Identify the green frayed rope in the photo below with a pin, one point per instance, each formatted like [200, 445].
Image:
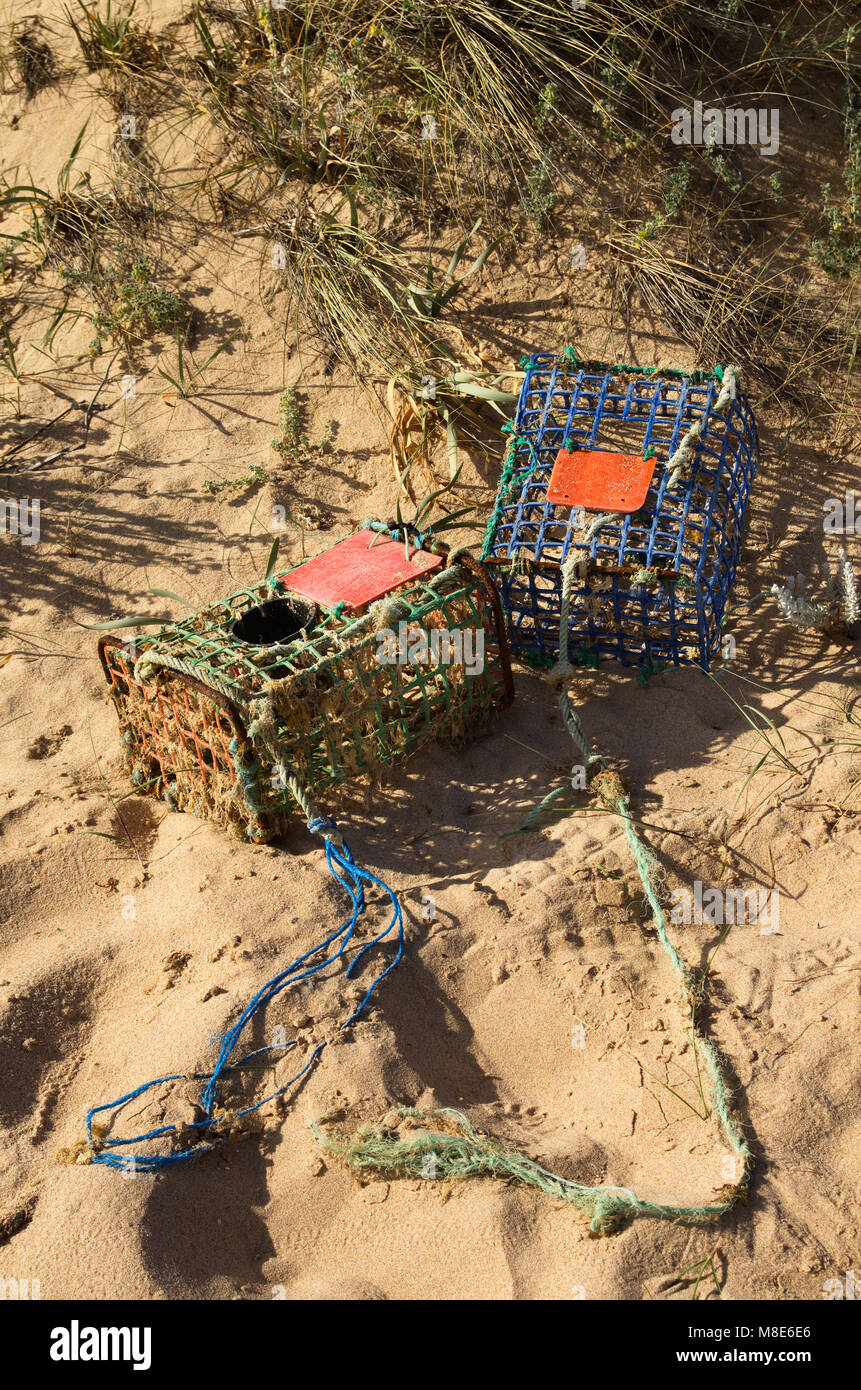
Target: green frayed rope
[696, 375]
[456, 1150]
[449, 1148]
[611, 791]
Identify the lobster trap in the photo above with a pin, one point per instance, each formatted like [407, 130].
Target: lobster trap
[643, 476]
[338, 667]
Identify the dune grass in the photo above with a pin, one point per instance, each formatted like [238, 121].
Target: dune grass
[393, 157]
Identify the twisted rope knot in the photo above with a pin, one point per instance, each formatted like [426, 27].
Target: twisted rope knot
[449, 577]
[328, 828]
[387, 612]
[317, 824]
[456, 555]
[683, 456]
[608, 1213]
[728, 389]
[144, 667]
[575, 564]
[610, 789]
[560, 672]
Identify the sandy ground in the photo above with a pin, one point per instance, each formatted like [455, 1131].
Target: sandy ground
[527, 939]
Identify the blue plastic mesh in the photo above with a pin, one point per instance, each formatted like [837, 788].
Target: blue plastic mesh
[687, 537]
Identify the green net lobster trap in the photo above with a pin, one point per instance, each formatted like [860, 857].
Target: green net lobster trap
[638, 479]
[342, 665]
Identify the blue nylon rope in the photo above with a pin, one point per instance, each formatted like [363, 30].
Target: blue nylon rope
[353, 879]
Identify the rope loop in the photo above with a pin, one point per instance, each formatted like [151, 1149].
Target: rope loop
[218, 1124]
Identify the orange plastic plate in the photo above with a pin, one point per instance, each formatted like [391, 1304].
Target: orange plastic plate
[600, 481]
[359, 569]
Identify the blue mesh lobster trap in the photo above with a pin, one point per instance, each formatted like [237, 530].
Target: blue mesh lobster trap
[643, 473]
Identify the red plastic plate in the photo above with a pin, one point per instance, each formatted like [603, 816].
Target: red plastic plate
[600, 481]
[359, 569]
